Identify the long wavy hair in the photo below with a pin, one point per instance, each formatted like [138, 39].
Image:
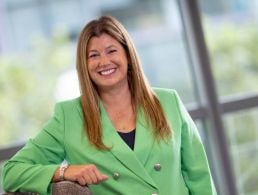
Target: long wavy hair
[142, 94]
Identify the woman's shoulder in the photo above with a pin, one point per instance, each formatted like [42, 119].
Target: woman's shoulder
[167, 96]
[163, 92]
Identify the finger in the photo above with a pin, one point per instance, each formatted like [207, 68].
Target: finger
[104, 177]
[100, 176]
[96, 174]
[92, 176]
[88, 179]
[81, 181]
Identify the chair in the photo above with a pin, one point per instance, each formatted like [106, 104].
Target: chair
[60, 188]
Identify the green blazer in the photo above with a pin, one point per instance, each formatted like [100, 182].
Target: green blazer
[176, 167]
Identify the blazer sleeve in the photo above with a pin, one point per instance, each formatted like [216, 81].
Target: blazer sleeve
[31, 168]
[194, 163]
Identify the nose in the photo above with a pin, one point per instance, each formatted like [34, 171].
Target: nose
[103, 60]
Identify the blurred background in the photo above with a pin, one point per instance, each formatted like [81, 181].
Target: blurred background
[206, 50]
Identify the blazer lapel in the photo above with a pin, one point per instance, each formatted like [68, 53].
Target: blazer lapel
[143, 139]
[122, 152]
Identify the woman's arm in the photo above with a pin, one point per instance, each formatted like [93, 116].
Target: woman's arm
[194, 163]
[82, 174]
[33, 167]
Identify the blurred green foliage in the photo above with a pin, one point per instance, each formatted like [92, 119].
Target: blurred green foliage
[234, 59]
[242, 135]
[27, 83]
[233, 53]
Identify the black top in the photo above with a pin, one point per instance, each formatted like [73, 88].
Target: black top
[128, 138]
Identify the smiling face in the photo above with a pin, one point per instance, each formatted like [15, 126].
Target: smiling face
[107, 62]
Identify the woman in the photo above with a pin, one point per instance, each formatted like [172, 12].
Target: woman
[120, 135]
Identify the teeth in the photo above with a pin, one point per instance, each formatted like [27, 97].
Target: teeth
[107, 72]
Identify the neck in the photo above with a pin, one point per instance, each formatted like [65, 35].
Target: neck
[116, 98]
[120, 108]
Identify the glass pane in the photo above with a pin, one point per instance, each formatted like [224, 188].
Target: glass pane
[157, 31]
[18, 3]
[29, 73]
[22, 34]
[231, 33]
[39, 68]
[69, 21]
[242, 134]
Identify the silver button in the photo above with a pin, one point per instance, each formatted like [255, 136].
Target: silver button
[157, 167]
[154, 194]
[116, 175]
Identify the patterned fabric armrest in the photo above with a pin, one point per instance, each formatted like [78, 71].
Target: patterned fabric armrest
[60, 188]
[69, 188]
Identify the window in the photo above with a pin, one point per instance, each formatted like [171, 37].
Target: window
[231, 33]
[231, 30]
[242, 134]
[38, 68]
[44, 53]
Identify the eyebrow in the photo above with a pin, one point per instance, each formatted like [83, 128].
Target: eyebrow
[92, 50]
[108, 47]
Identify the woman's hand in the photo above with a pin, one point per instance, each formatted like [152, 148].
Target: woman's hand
[83, 174]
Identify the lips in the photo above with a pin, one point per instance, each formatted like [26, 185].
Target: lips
[107, 71]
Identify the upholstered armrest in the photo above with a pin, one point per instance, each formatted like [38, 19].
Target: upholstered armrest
[69, 188]
[60, 188]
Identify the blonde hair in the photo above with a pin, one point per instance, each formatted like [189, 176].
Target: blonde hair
[142, 94]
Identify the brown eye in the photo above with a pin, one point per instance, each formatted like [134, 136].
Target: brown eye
[93, 55]
[112, 51]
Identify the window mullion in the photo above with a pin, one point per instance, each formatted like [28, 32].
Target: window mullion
[199, 56]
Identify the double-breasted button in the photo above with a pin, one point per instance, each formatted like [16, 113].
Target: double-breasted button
[116, 175]
[157, 167]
